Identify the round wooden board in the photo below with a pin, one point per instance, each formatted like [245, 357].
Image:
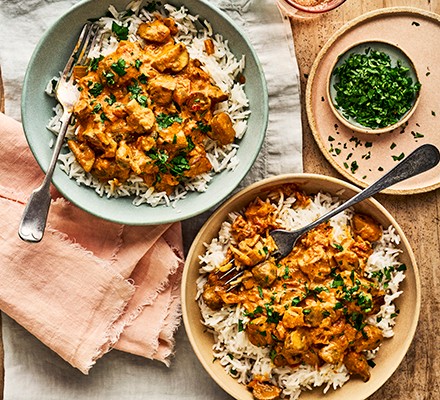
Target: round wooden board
[364, 158]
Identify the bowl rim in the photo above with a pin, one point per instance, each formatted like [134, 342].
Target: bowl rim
[275, 180]
[318, 9]
[359, 128]
[70, 191]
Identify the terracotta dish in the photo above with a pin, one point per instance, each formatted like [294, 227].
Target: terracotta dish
[363, 158]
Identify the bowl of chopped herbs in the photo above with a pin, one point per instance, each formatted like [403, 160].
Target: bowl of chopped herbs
[373, 87]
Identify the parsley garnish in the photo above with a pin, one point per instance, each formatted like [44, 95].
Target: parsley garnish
[143, 78]
[120, 31]
[119, 67]
[372, 91]
[338, 281]
[272, 316]
[96, 89]
[103, 118]
[137, 64]
[110, 100]
[97, 108]
[134, 89]
[93, 66]
[166, 120]
[295, 301]
[190, 142]
[202, 127]
[176, 166]
[179, 165]
[109, 77]
[240, 325]
[399, 157]
[142, 100]
[338, 247]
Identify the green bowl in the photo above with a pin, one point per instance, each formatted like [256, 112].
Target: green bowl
[49, 58]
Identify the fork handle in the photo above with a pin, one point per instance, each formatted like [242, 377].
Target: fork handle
[34, 218]
[420, 160]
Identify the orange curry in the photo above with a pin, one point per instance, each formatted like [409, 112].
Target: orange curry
[146, 110]
[310, 307]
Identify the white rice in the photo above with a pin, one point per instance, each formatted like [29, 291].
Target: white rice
[243, 360]
[223, 67]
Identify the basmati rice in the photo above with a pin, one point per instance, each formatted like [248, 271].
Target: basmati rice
[242, 359]
[223, 67]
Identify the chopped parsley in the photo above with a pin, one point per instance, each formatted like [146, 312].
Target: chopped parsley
[93, 66]
[399, 157]
[137, 64]
[120, 31]
[372, 91]
[175, 166]
[96, 89]
[166, 120]
[143, 78]
[97, 108]
[109, 77]
[103, 117]
[119, 67]
[204, 128]
[111, 99]
[337, 281]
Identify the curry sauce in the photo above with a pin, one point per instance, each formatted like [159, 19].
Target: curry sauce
[312, 306]
[147, 109]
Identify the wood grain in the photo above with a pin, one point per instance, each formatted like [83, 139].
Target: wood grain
[418, 376]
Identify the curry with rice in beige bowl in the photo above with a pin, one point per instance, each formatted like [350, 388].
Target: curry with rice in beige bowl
[331, 320]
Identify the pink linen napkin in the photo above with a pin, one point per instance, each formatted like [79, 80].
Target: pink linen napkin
[89, 285]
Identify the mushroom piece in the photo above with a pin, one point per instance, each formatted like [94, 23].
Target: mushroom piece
[222, 129]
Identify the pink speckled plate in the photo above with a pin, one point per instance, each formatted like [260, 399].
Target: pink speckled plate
[363, 158]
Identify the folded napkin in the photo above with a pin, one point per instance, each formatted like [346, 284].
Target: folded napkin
[89, 285]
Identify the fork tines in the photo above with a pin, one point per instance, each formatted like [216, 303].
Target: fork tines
[86, 42]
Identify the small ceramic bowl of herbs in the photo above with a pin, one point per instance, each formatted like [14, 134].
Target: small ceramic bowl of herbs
[373, 87]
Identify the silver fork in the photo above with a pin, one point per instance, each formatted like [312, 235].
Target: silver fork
[420, 160]
[33, 220]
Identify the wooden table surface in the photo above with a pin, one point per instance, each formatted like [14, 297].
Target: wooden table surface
[418, 376]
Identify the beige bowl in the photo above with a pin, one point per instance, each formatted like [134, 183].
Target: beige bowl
[395, 53]
[392, 350]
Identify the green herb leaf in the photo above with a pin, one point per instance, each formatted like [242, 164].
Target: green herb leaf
[110, 100]
[93, 66]
[372, 91]
[109, 77]
[399, 157]
[120, 31]
[166, 120]
[119, 67]
[96, 89]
